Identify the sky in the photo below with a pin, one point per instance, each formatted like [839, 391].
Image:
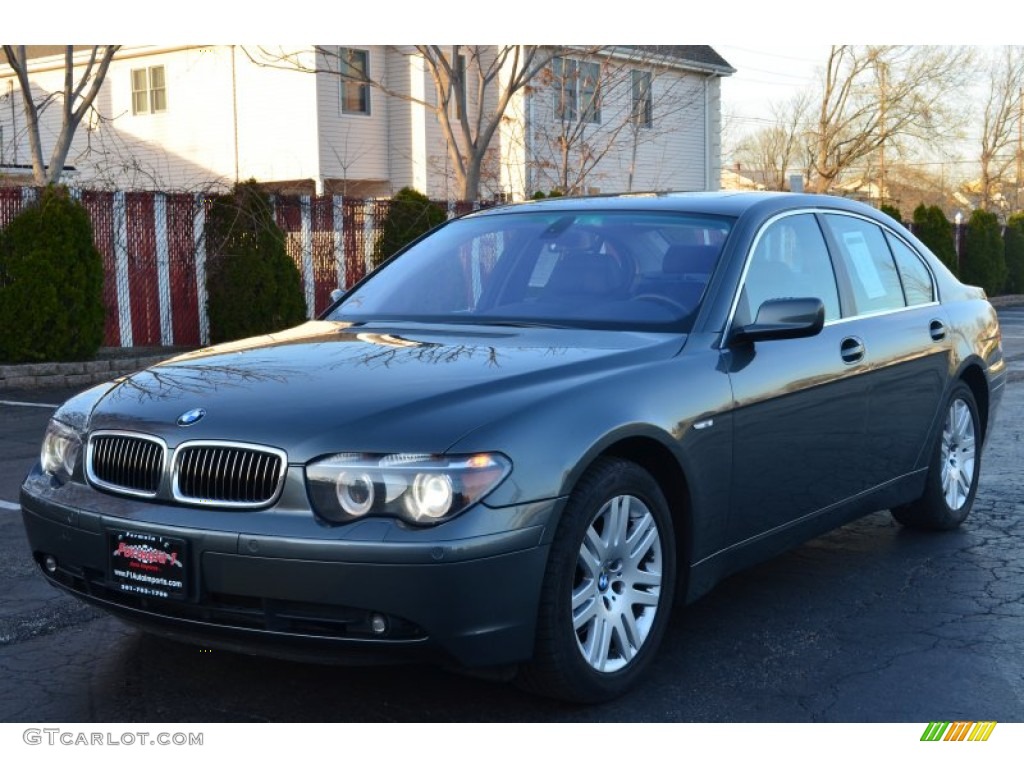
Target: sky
[758, 26]
[765, 75]
[770, 74]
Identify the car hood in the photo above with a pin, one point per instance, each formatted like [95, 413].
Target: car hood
[325, 387]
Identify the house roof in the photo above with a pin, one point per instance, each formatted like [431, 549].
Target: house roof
[704, 56]
[42, 51]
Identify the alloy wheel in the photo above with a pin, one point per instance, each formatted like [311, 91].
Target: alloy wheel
[617, 583]
[958, 454]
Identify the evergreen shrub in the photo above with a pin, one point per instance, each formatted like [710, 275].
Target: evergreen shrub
[1014, 240]
[410, 215]
[936, 231]
[252, 285]
[51, 282]
[984, 262]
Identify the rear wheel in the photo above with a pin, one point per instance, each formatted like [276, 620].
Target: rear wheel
[608, 589]
[953, 474]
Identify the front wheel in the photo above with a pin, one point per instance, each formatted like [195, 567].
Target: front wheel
[953, 474]
[608, 589]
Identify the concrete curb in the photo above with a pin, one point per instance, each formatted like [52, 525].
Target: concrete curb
[83, 374]
[1012, 300]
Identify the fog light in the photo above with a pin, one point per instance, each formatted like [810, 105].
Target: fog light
[378, 624]
[50, 564]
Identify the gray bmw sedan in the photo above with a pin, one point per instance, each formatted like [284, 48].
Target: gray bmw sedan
[522, 440]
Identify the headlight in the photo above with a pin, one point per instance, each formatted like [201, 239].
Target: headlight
[418, 488]
[61, 448]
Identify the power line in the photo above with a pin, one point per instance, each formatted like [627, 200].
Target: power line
[739, 118]
[807, 81]
[769, 53]
[802, 76]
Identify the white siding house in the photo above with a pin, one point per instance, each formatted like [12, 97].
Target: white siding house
[202, 117]
[626, 120]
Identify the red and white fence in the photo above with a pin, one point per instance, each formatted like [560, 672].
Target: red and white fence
[154, 255]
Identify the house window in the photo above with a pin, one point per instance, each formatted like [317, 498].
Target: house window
[149, 90]
[565, 72]
[643, 111]
[354, 68]
[590, 106]
[577, 91]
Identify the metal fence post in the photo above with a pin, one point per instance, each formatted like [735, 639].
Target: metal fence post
[124, 300]
[368, 231]
[958, 218]
[306, 233]
[338, 227]
[163, 268]
[199, 245]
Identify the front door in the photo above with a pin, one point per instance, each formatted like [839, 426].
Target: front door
[801, 406]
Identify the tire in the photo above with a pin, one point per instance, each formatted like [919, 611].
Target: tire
[953, 473]
[607, 593]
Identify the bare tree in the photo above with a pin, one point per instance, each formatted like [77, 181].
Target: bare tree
[881, 98]
[496, 76]
[911, 184]
[565, 145]
[593, 112]
[1000, 123]
[75, 99]
[346, 158]
[778, 148]
[473, 88]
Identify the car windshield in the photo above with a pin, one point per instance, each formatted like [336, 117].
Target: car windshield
[615, 269]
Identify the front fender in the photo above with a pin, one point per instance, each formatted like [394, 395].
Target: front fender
[553, 440]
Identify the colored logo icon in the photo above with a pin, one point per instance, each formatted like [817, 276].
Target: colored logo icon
[188, 418]
[959, 731]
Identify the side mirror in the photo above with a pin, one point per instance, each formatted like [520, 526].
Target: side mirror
[783, 319]
[336, 294]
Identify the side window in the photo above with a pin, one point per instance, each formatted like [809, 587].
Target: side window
[865, 254]
[917, 280]
[789, 261]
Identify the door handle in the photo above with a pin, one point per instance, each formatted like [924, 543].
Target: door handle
[937, 330]
[851, 349]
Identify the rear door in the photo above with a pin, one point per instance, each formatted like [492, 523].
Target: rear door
[901, 330]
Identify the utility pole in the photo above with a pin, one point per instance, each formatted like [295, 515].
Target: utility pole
[881, 127]
[1020, 147]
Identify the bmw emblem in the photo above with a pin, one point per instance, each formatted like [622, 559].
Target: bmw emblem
[188, 418]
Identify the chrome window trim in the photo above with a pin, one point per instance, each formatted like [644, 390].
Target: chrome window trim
[178, 496]
[924, 262]
[879, 313]
[103, 485]
[886, 228]
[750, 253]
[796, 211]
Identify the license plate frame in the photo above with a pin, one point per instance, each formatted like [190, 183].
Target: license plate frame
[148, 564]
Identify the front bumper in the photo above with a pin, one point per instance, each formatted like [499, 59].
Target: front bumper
[472, 601]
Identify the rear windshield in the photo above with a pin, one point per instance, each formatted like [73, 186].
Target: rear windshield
[615, 269]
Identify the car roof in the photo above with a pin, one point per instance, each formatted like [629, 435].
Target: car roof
[731, 203]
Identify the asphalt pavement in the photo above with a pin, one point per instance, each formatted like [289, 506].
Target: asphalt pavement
[870, 623]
